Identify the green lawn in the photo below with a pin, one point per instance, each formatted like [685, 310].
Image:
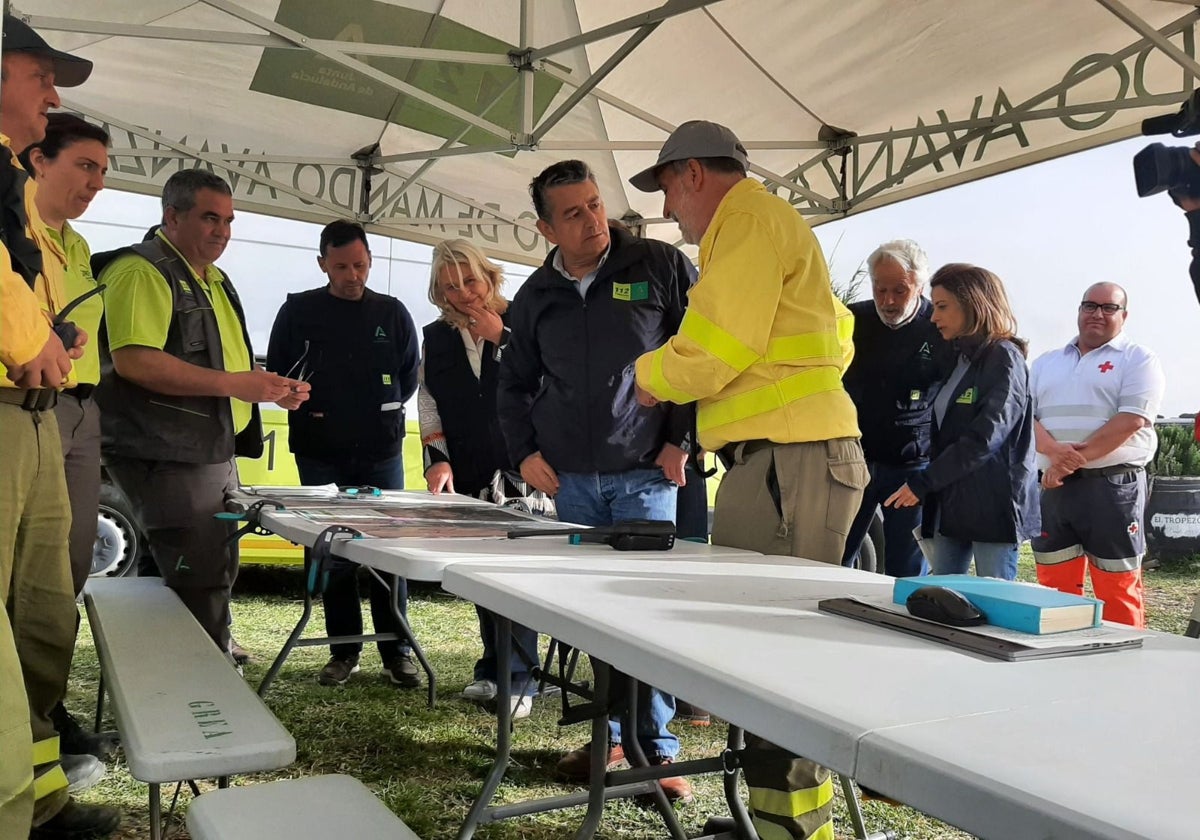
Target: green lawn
[427, 765]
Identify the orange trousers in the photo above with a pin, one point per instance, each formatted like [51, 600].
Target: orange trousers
[1121, 592]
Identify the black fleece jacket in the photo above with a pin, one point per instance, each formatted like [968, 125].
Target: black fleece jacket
[566, 384]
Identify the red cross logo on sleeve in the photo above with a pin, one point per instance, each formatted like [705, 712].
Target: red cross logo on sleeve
[1106, 367]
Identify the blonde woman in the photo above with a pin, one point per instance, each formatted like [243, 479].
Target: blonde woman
[460, 431]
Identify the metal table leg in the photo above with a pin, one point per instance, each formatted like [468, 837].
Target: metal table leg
[503, 728]
[294, 637]
[392, 582]
[637, 758]
[735, 742]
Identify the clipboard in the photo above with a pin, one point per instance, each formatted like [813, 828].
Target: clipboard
[965, 638]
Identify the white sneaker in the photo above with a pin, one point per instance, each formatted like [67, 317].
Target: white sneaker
[480, 691]
[521, 706]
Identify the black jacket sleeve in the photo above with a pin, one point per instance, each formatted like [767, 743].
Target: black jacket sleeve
[1194, 243]
[1003, 386]
[280, 356]
[681, 419]
[410, 352]
[519, 378]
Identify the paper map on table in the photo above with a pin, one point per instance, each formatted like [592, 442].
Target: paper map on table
[328, 495]
[431, 520]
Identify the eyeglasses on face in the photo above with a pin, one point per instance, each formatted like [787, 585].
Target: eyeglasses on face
[1090, 307]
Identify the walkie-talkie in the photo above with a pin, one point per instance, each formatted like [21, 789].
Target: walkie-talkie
[634, 535]
[66, 330]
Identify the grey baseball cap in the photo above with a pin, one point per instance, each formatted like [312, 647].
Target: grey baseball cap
[69, 70]
[693, 139]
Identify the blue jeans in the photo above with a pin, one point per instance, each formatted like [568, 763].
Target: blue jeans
[343, 610]
[522, 638]
[604, 499]
[901, 556]
[952, 556]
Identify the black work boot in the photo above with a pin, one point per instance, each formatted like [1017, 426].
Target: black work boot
[73, 739]
[78, 822]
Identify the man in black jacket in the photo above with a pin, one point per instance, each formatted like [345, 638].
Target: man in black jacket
[898, 361]
[358, 350]
[567, 401]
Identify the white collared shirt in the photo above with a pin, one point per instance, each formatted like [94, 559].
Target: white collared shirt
[1074, 395]
[584, 281]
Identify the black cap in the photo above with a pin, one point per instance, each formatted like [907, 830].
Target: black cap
[69, 70]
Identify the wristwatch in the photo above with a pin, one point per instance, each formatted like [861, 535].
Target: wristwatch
[504, 337]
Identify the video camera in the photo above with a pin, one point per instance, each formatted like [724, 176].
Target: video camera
[1159, 167]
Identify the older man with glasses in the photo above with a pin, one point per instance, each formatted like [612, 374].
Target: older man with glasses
[1095, 401]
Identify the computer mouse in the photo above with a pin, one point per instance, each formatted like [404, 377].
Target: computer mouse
[945, 606]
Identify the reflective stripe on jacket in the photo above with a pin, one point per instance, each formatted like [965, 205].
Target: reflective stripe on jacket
[764, 341]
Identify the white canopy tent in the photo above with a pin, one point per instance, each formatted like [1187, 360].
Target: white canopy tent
[426, 119]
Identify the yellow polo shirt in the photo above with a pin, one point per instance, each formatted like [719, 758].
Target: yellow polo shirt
[78, 281]
[138, 312]
[22, 337]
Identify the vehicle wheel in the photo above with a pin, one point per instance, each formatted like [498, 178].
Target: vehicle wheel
[875, 540]
[117, 539]
[868, 559]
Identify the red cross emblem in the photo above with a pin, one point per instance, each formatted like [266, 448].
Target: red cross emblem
[1132, 529]
[1106, 367]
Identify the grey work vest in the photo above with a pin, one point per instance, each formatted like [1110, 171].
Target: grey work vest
[137, 423]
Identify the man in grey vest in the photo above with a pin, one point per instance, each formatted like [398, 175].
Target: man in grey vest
[179, 391]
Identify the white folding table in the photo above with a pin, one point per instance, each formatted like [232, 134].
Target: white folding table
[307, 518]
[1055, 748]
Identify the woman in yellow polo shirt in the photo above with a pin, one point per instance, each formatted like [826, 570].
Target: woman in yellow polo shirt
[68, 166]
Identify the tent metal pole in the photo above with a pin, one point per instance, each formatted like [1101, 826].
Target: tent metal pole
[667, 10]
[525, 69]
[250, 39]
[1126, 15]
[632, 43]
[341, 57]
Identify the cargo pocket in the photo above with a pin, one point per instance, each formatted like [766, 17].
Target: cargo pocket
[848, 477]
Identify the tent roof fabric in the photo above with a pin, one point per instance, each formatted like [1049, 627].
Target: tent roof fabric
[448, 108]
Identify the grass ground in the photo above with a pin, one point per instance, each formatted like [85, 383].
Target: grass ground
[427, 765]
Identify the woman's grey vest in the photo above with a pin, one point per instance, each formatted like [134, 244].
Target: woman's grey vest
[137, 423]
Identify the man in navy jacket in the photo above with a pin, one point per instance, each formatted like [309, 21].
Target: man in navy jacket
[567, 401]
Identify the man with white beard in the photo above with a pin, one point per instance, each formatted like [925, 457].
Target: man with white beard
[898, 363]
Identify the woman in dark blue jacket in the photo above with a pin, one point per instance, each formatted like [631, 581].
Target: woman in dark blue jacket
[980, 490]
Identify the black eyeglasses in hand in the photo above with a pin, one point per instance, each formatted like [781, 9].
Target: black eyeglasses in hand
[300, 371]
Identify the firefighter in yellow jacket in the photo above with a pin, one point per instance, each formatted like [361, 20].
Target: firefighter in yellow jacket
[37, 625]
[761, 351]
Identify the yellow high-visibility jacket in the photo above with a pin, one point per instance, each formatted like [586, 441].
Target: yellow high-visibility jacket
[764, 340]
[24, 312]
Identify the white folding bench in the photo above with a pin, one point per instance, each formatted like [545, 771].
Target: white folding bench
[318, 807]
[182, 710]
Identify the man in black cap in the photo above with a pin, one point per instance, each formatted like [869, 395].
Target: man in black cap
[35, 573]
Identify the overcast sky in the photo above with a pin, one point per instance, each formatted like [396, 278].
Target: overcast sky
[1049, 231]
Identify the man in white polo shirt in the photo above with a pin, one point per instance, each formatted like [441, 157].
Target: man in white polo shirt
[1095, 401]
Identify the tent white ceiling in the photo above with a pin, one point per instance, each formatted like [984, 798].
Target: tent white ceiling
[454, 105]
